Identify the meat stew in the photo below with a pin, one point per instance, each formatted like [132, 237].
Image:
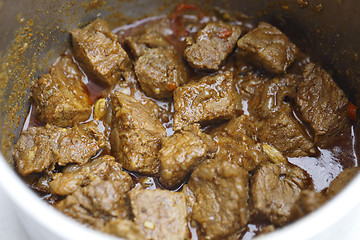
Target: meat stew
[227, 132]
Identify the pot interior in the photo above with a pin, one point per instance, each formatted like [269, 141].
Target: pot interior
[36, 32]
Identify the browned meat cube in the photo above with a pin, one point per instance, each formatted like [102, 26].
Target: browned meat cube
[322, 103]
[136, 135]
[341, 181]
[285, 134]
[240, 128]
[97, 49]
[158, 73]
[41, 147]
[245, 154]
[103, 167]
[274, 190]
[249, 83]
[236, 143]
[160, 214]
[308, 201]
[79, 144]
[61, 97]
[140, 43]
[267, 47]
[33, 150]
[155, 35]
[181, 152]
[271, 97]
[212, 45]
[211, 98]
[163, 113]
[97, 203]
[217, 192]
[274, 118]
[123, 228]
[131, 87]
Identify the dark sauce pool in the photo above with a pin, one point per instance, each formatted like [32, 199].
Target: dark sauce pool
[322, 168]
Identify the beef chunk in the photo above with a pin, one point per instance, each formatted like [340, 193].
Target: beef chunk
[274, 190]
[79, 144]
[322, 103]
[41, 147]
[181, 152]
[163, 113]
[211, 98]
[97, 203]
[240, 128]
[212, 45]
[270, 97]
[135, 136]
[98, 51]
[131, 87]
[267, 47]
[274, 120]
[249, 83]
[341, 181]
[218, 194]
[245, 154]
[308, 201]
[153, 36]
[285, 134]
[158, 72]
[103, 167]
[33, 150]
[236, 143]
[160, 214]
[61, 97]
[140, 43]
[123, 228]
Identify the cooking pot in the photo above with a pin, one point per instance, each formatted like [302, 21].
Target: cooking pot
[35, 32]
